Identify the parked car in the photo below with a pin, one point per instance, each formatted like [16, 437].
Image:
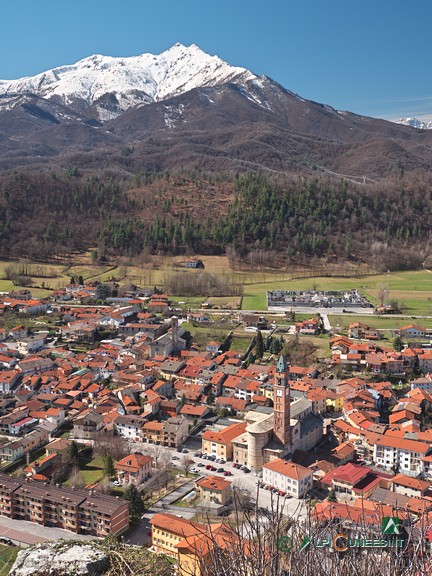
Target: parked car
[235, 465]
[220, 470]
[175, 457]
[198, 454]
[200, 464]
[246, 470]
[179, 449]
[227, 473]
[185, 451]
[212, 468]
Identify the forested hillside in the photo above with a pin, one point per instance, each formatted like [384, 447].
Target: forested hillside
[249, 216]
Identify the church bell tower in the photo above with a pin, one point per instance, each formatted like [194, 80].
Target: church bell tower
[281, 404]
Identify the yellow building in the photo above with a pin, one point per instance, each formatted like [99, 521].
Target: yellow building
[334, 400]
[266, 390]
[190, 543]
[168, 530]
[220, 443]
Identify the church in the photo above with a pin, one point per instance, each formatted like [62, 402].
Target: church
[277, 434]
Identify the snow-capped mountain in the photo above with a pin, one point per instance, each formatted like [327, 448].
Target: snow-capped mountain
[415, 123]
[117, 84]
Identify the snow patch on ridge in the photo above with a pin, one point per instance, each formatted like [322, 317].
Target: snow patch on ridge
[133, 80]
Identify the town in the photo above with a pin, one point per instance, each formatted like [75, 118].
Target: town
[115, 420]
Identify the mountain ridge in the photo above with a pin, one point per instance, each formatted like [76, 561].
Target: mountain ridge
[134, 80]
[187, 109]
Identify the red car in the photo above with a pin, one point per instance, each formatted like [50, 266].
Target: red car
[227, 473]
[212, 468]
[209, 467]
[235, 465]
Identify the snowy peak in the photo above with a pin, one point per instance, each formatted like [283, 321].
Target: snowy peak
[131, 81]
[415, 123]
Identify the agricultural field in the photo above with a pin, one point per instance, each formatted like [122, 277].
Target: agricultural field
[413, 288]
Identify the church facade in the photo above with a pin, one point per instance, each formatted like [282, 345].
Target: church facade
[270, 435]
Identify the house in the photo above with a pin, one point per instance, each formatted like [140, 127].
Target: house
[355, 480]
[307, 327]
[213, 347]
[134, 469]
[412, 331]
[253, 321]
[213, 491]
[412, 487]
[30, 344]
[292, 478]
[9, 380]
[194, 412]
[357, 330]
[60, 446]
[130, 426]
[194, 263]
[18, 332]
[86, 426]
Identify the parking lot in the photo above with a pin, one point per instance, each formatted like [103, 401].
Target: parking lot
[246, 481]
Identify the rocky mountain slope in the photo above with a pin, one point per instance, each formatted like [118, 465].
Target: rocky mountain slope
[187, 109]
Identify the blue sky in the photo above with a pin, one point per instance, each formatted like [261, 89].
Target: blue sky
[370, 57]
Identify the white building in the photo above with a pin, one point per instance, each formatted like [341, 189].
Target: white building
[31, 344]
[390, 452]
[292, 478]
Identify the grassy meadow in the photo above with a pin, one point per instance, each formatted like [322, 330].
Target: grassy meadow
[413, 288]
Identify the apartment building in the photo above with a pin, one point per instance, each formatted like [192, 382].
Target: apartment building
[220, 442]
[390, 452]
[75, 510]
[168, 530]
[101, 515]
[172, 432]
[292, 478]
